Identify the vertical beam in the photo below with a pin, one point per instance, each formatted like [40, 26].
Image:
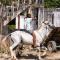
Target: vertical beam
[39, 18]
[18, 3]
[30, 1]
[24, 1]
[36, 1]
[43, 9]
[18, 21]
[1, 26]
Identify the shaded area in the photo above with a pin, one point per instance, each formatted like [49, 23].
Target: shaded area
[30, 56]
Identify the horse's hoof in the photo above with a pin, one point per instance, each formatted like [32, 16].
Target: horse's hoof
[14, 58]
[44, 54]
[40, 59]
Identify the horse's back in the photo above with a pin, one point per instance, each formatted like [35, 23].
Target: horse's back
[23, 35]
[23, 30]
[26, 37]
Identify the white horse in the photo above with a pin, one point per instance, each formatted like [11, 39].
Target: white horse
[35, 39]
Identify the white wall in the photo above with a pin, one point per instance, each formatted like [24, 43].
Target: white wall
[56, 19]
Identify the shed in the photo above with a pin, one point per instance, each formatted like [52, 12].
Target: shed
[56, 18]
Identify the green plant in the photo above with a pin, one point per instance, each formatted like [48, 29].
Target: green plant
[11, 27]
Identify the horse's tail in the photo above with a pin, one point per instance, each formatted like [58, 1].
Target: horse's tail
[5, 43]
[5, 37]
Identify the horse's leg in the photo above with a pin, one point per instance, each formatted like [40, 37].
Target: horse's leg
[44, 52]
[39, 54]
[16, 40]
[13, 55]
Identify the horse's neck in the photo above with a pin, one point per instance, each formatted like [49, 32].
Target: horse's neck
[40, 28]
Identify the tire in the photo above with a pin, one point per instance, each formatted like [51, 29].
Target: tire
[51, 46]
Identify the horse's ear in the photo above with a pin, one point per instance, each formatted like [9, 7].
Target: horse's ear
[43, 21]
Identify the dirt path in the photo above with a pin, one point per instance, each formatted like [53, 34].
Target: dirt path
[50, 56]
[53, 56]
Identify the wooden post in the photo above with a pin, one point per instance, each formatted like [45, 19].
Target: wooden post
[24, 1]
[18, 3]
[30, 1]
[36, 1]
[18, 21]
[1, 26]
[39, 17]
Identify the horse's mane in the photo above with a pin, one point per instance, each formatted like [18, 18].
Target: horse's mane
[22, 30]
[25, 31]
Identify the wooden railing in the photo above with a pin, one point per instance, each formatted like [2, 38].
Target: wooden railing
[20, 9]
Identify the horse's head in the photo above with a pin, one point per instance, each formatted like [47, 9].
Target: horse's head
[49, 25]
[45, 22]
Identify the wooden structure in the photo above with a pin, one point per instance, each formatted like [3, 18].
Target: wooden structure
[33, 7]
[25, 7]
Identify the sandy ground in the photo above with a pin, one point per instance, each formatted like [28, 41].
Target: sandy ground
[31, 55]
[53, 56]
[50, 56]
